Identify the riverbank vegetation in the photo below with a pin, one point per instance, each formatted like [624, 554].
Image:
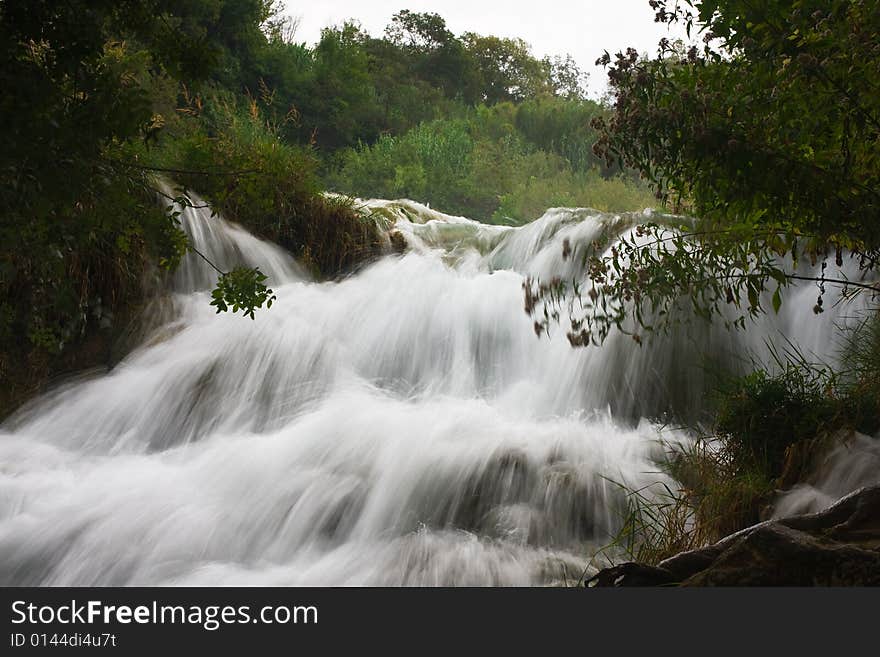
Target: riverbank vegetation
[770, 430]
[488, 163]
[770, 133]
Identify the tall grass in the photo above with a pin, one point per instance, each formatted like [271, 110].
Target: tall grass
[771, 430]
[572, 189]
[656, 522]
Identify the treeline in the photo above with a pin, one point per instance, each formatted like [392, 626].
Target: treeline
[474, 125]
[351, 88]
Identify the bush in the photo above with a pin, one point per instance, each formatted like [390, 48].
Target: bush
[532, 197]
[269, 186]
[760, 416]
[563, 127]
[430, 163]
[772, 429]
[77, 278]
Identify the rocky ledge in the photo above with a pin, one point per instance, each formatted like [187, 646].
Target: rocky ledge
[839, 546]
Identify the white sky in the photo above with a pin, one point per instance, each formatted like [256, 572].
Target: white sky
[583, 28]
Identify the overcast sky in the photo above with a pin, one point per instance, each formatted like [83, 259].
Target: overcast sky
[583, 28]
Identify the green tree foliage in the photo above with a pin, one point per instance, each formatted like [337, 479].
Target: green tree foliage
[435, 55]
[238, 28]
[343, 94]
[483, 166]
[79, 80]
[273, 188]
[420, 32]
[769, 132]
[562, 126]
[81, 232]
[787, 89]
[566, 77]
[351, 88]
[242, 289]
[431, 163]
[405, 99]
[506, 68]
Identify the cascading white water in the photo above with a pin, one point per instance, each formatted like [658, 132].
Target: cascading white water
[852, 464]
[401, 426]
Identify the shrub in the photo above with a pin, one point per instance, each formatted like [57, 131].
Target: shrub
[270, 187]
[772, 429]
[761, 415]
[532, 197]
[77, 278]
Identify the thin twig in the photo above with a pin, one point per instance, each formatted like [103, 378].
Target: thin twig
[205, 258]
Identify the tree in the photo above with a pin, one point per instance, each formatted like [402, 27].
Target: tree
[769, 132]
[342, 103]
[566, 77]
[433, 53]
[82, 80]
[418, 31]
[563, 126]
[507, 69]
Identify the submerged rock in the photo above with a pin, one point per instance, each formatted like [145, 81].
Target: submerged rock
[836, 547]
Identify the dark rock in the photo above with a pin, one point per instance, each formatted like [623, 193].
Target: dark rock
[631, 574]
[398, 241]
[836, 547]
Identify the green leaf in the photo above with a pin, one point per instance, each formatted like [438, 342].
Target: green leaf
[242, 289]
[753, 297]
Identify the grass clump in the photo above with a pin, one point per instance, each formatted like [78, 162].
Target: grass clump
[657, 522]
[770, 431]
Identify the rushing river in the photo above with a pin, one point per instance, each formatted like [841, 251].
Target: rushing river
[402, 426]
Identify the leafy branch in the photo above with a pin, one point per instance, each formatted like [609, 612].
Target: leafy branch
[243, 289]
[648, 280]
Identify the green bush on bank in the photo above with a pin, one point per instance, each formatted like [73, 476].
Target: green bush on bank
[573, 189]
[81, 234]
[771, 430]
[238, 162]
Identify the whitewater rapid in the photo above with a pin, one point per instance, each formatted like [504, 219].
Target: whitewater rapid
[403, 426]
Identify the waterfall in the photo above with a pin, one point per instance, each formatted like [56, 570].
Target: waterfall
[402, 426]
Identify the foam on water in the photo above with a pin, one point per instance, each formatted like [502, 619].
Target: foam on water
[401, 426]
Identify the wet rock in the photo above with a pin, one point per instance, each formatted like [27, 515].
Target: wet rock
[836, 547]
[632, 574]
[398, 241]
